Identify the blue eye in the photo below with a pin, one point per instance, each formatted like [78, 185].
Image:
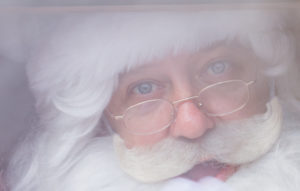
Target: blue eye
[218, 67]
[144, 88]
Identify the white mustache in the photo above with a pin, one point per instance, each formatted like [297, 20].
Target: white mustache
[243, 141]
[235, 142]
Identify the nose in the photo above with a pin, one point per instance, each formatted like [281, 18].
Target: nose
[190, 121]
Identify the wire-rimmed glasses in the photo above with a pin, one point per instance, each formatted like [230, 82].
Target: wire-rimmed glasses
[155, 115]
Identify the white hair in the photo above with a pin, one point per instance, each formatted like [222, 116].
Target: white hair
[74, 73]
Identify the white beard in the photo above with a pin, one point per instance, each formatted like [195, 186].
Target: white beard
[97, 168]
[277, 170]
[234, 143]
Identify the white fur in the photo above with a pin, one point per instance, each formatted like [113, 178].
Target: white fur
[206, 184]
[97, 168]
[75, 72]
[279, 169]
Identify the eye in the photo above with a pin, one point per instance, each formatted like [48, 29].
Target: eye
[144, 88]
[217, 70]
[218, 67]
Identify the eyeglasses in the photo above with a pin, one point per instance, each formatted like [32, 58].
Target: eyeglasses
[218, 99]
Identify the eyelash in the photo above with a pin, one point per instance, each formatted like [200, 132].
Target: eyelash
[206, 70]
[131, 89]
[226, 67]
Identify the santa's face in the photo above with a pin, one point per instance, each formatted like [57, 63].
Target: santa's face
[185, 76]
[187, 97]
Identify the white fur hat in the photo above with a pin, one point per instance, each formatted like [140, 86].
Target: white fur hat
[76, 70]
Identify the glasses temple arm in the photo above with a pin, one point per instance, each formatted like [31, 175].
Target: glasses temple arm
[116, 117]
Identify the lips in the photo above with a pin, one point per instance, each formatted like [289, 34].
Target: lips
[210, 168]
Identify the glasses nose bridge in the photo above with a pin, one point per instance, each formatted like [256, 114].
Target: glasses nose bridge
[186, 99]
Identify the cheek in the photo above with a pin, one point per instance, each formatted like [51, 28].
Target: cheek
[141, 140]
[130, 139]
[259, 96]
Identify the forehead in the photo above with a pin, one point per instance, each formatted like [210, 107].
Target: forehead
[231, 51]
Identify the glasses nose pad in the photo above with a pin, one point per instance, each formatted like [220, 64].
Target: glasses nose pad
[175, 107]
[193, 99]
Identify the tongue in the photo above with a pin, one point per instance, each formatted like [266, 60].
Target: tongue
[213, 169]
[202, 170]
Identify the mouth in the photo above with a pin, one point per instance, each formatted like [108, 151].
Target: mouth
[213, 168]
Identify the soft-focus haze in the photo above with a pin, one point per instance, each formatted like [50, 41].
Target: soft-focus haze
[19, 34]
[125, 2]
[15, 99]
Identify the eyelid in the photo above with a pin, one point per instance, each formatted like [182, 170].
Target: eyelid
[136, 83]
[203, 70]
[226, 64]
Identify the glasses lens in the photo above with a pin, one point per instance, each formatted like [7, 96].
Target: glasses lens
[149, 117]
[224, 98]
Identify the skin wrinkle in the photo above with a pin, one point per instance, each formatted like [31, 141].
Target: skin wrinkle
[179, 86]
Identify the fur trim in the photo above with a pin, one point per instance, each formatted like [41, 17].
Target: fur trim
[79, 66]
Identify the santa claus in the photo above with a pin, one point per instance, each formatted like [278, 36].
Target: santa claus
[163, 100]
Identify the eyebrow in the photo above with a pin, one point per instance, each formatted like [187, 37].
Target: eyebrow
[136, 73]
[139, 70]
[142, 68]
